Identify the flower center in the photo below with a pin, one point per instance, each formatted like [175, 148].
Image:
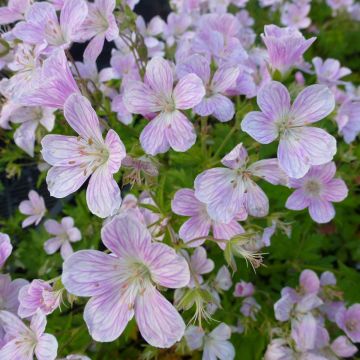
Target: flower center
[351, 325]
[312, 187]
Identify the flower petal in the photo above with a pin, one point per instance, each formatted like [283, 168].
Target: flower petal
[72, 15]
[103, 193]
[321, 211]
[260, 127]
[256, 202]
[185, 203]
[224, 78]
[116, 149]
[297, 200]
[180, 132]
[188, 92]
[94, 48]
[314, 103]
[270, 171]
[158, 321]
[196, 227]
[52, 245]
[46, 348]
[159, 75]
[224, 108]
[335, 190]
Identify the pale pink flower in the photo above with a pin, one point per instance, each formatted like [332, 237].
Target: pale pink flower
[316, 191]
[100, 24]
[223, 280]
[5, 248]
[170, 128]
[38, 295]
[214, 102]
[9, 292]
[41, 25]
[296, 15]
[177, 24]
[26, 342]
[226, 191]
[348, 120]
[34, 207]
[349, 321]
[343, 348]
[215, 345]
[195, 230]
[250, 307]
[14, 11]
[300, 146]
[54, 85]
[199, 265]
[122, 284]
[75, 159]
[244, 289]
[64, 234]
[30, 118]
[330, 71]
[285, 46]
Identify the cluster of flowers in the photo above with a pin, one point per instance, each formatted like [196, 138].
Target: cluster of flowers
[305, 314]
[214, 60]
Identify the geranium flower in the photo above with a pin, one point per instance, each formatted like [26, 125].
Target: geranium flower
[285, 46]
[65, 233]
[349, 321]
[26, 342]
[348, 120]
[170, 128]
[75, 159]
[330, 71]
[41, 25]
[300, 146]
[99, 24]
[34, 207]
[200, 223]
[226, 191]
[122, 284]
[5, 248]
[38, 295]
[316, 191]
[214, 102]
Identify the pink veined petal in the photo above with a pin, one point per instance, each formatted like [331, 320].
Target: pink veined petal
[205, 106]
[236, 158]
[124, 234]
[298, 200]
[91, 273]
[72, 15]
[256, 201]
[66, 250]
[185, 203]
[302, 147]
[64, 180]
[61, 150]
[180, 132]
[53, 227]
[5, 248]
[16, 350]
[221, 332]
[38, 323]
[159, 75]
[335, 190]
[226, 231]
[274, 100]
[224, 78]
[103, 193]
[24, 137]
[197, 226]
[94, 48]
[107, 315]
[325, 172]
[314, 103]
[188, 92]
[309, 282]
[223, 350]
[8, 16]
[321, 211]
[82, 117]
[260, 127]
[29, 33]
[159, 322]
[167, 267]
[270, 171]
[222, 191]
[30, 220]
[46, 348]
[224, 109]
[139, 98]
[200, 263]
[12, 325]
[52, 245]
[153, 139]
[196, 64]
[117, 151]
